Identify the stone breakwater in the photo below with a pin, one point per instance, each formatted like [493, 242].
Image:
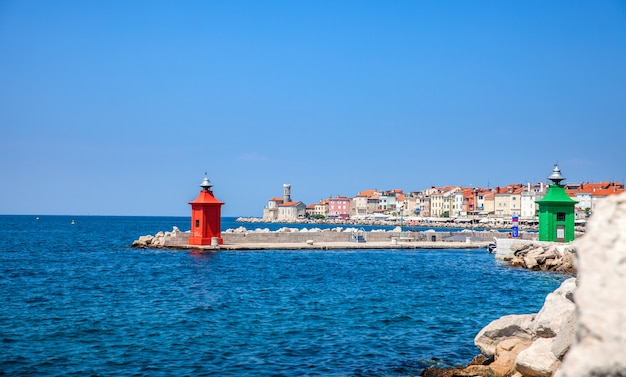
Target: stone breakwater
[580, 330]
[339, 237]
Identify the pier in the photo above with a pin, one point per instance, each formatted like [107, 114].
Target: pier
[322, 240]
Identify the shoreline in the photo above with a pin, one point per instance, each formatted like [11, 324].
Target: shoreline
[440, 223]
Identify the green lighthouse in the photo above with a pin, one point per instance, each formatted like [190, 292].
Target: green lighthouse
[556, 212]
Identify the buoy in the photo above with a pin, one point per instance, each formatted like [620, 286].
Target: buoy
[73, 222]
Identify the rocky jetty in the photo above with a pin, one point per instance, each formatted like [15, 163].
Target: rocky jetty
[558, 258]
[580, 330]
[159, 240]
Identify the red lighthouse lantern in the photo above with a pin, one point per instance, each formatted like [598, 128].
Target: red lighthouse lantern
[205, 217]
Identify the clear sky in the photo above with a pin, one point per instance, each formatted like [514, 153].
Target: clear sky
[119, 107]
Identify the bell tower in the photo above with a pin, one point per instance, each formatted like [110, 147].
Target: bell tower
[206, 217]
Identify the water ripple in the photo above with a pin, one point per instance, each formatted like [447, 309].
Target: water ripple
[79, 304]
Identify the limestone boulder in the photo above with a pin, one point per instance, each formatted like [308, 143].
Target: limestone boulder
[557, 307]
[530, 262]
[537, 360]
[566, 264]
[565, 337]
[143, 241]
[515, 326]
[600, 346]
[519, 246]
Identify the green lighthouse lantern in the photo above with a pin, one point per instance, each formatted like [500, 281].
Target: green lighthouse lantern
[556, 212]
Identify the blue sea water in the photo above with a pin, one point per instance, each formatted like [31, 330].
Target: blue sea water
[78, 301]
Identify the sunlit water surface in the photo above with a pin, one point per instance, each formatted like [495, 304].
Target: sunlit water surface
[77, 300]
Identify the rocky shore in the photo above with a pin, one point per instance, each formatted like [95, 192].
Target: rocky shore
[580, 330]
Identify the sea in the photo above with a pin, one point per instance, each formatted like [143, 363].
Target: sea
[77, 300]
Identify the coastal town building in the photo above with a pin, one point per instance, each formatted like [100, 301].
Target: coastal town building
[489, 203]
[480, 200]
[291, 211]
[442, 202]
[507, 200]
[360, 203]
[529, 197]
[339, 208]
[284, 209]
[270, 212]
[310, 210]
[365, 203]
[388, 201]
[589, 194]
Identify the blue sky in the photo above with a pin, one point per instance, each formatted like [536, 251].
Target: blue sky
[119, 108]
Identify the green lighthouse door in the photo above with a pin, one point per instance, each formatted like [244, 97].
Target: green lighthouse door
[560, 233]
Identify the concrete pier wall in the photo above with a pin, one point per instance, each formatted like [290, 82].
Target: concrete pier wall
[180, 239]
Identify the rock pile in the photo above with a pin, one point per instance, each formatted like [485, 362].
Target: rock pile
[559, 258]
[161, 239]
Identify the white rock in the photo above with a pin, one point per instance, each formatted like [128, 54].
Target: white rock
[510, 326]
[538, 359]
[600, 346]
[565, 337]
[557, 307]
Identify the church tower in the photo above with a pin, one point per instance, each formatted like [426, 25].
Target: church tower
[286, 193]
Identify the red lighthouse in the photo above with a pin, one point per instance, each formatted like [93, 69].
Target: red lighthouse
[205, 217]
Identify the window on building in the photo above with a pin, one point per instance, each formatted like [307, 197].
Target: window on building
[197, 223]
[560, 216]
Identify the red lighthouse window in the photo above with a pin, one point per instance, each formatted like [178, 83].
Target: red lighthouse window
[197, 223]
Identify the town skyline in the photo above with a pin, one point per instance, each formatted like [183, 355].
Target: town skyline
[444, 201]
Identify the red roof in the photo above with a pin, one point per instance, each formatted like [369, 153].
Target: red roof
[366, 193]
[288, 204]
[205, 197]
